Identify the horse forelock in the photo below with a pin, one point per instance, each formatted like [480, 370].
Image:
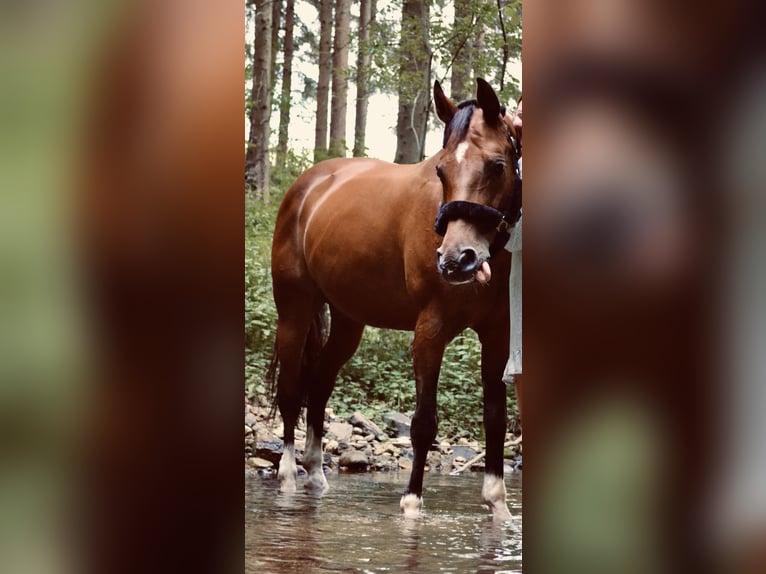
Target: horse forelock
[460, 121]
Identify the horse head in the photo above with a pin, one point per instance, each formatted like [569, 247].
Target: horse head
[478, 170]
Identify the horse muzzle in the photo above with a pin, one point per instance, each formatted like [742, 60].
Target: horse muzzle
[465, 268]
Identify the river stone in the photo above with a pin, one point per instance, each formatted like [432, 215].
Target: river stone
[353, 460]
[340, 431]
[402, 441]
[356, 431]
[331, 446]
[405, 464]
[397, 424]
[270, 450]
[434, 460]
[257, 462]
[386, 462]
[384, 448]
[361, 421]
[464, 452]
[250, 419]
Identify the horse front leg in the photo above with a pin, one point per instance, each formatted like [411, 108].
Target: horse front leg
[494, 352]
[427, 352]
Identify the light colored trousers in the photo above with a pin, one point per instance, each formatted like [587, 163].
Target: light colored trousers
[513, 367]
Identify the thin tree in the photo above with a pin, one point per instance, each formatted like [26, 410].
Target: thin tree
[367, 11]
[257, 157]
[339, 103]
[285, 98]
[461, 84]
[414, 79]
[323, 82]
[276, 23]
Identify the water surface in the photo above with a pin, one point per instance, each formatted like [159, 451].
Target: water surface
[356, 527]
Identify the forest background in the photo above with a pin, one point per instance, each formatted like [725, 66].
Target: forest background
[335, 78]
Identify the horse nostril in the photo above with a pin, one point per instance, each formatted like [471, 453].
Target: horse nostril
[468, 261]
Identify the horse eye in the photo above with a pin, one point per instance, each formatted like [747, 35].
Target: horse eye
[498, 167]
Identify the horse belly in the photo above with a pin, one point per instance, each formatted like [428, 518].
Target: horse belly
[358, 265]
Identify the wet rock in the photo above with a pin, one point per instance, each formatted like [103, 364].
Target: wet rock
[353, 460]
[434, 461]
[258, 462]
[340, 431]
[386, 462]
[248, 430]
[464, 452]
[250, 419]
[331, 446]
[397, 424]
[361, 421]
[269, 450]
[385, 448]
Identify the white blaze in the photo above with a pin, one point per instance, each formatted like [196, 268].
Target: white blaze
[460, 152]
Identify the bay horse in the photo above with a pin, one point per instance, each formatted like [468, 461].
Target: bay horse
[359, 235]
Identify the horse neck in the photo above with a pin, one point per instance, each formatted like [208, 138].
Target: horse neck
[428, 165]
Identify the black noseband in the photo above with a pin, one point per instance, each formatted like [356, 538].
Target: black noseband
[484, 217]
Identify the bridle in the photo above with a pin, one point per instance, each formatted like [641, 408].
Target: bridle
[484, 216]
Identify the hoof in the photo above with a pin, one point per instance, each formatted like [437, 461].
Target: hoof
[317, 483]
[411, 506]
[287, 486]
[500, 513]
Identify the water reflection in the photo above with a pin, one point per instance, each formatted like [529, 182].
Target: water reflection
[356, 527]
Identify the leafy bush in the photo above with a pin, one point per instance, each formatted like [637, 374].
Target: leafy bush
[379, 377]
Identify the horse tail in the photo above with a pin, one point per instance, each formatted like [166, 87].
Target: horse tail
[315, 342]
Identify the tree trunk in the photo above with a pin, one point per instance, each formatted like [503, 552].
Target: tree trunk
[414, 74]
[323, 83]
[366, 17]
[285, 98]
[276, 22]
[461, 85]
[337, 146]
[257, 157]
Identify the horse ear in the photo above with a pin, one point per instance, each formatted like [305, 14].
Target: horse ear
[488, 102]
[445, 108]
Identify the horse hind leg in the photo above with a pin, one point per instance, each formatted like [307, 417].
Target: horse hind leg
[296, 328]
[345, 335]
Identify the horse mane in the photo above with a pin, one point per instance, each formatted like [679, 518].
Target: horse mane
[461, 120]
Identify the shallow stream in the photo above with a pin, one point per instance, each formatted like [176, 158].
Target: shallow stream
[356, 527]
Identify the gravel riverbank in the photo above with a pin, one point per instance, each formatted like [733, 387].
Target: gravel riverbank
[357, 444]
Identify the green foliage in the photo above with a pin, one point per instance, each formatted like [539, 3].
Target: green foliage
[260, 313]
[379, 377]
